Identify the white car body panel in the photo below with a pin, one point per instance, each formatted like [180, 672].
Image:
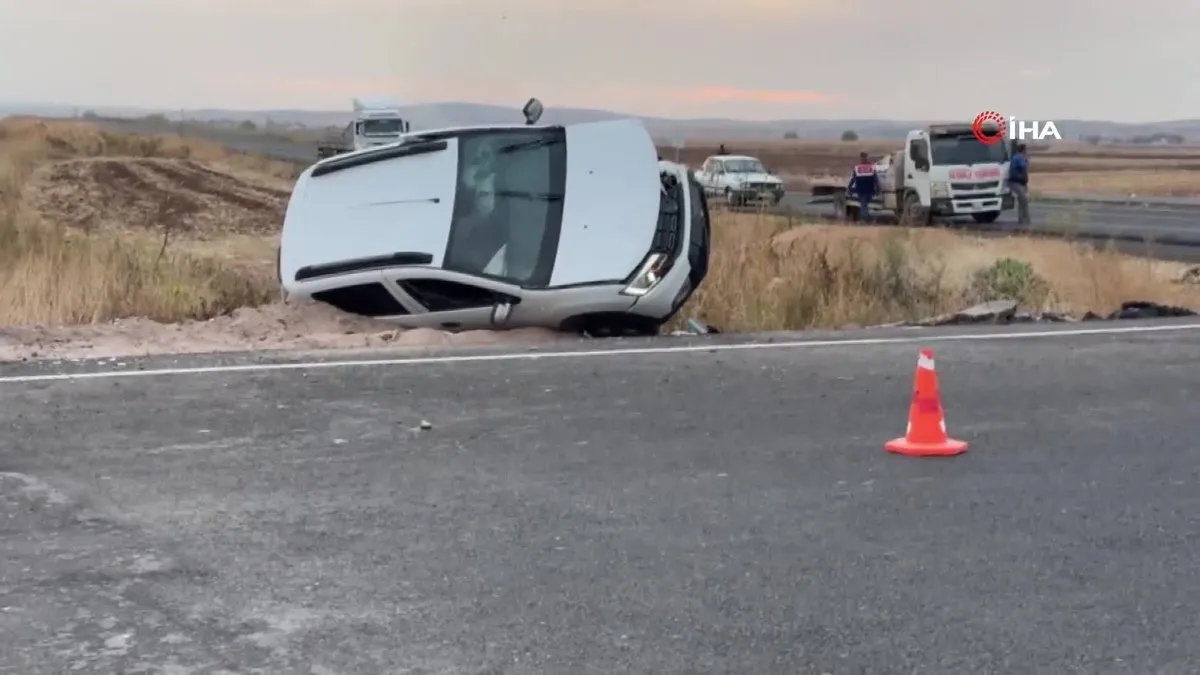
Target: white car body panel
[371, 210]
[611, 206]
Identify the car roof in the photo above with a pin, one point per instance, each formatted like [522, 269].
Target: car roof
[444, 132]
[734, 157]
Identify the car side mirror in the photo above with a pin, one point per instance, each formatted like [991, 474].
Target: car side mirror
[532, 111]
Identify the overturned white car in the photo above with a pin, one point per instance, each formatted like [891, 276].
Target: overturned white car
[576, 228]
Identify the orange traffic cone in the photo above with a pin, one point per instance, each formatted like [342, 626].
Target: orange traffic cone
[926, 435]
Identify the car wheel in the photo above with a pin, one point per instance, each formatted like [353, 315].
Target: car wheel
[730, 199]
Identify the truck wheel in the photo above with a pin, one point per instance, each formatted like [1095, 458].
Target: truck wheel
[913, 214]
[984, 218]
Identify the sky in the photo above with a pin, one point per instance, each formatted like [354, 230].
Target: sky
[746, 59]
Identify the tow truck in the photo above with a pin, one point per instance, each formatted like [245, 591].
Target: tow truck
[944, 171]
[377, 121]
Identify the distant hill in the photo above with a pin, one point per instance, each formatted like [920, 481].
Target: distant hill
[453, 114]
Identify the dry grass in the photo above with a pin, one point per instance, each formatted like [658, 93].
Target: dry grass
[96, 226]
[1140, 182]
[53, 273]
[770, 274]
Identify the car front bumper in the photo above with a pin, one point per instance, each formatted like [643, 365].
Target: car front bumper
[754, 194]
[965, 206]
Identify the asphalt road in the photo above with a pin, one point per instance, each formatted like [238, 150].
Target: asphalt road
[720, 510]
[1167, 231]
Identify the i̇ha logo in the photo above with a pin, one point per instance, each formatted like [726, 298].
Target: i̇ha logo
[990, 127]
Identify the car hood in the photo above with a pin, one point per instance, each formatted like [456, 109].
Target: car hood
[754, 178]
[611, 207]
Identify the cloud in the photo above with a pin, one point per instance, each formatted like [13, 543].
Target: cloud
[725, 94]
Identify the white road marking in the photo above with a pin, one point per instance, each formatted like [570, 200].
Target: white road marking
[919, 338]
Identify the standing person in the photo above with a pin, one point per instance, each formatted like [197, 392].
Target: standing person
[721, 150]
[1018, 182]
[863, 185]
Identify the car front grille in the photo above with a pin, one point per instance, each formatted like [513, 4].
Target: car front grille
[987, 185]
[668, 235]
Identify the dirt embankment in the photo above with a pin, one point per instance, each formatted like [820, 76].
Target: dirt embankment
[269, 327]
[179, 197]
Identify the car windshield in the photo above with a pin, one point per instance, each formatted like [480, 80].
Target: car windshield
[508, 205]
[966, 150]
[744, 166]
[389, 127]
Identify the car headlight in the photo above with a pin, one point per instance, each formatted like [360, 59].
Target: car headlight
[939, 190]
[647, 276]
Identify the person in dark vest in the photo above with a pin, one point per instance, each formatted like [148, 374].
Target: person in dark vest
[721, 150]
[863, 185]
[1018, 182]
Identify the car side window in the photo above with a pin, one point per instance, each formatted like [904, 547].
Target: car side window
[438, 295]
[718, 167]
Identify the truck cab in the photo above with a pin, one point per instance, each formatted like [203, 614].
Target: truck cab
[944, 170]
[377, 122]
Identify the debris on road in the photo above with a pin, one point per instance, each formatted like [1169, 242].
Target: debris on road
[696, 327]
[1008, 312]
[1140, 309]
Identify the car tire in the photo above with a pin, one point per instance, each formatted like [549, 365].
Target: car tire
[730, 200]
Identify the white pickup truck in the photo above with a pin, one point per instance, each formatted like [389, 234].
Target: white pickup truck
[740, 180]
